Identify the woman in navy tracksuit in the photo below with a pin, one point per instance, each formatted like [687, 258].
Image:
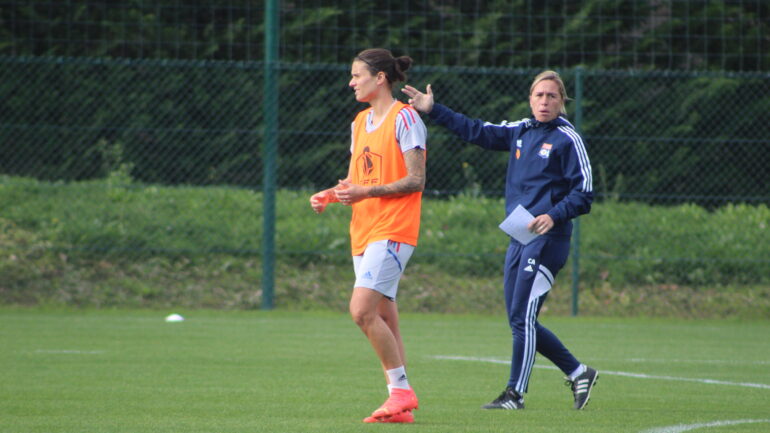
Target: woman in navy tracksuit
[549, 174]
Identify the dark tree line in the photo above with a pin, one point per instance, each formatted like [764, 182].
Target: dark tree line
[675, 34]
[170, 91]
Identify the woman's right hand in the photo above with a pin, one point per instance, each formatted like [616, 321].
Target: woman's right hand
[319, 201]
[422, 102]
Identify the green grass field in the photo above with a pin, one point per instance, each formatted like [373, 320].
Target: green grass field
[129, 371]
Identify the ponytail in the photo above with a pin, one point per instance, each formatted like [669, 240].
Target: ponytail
[382, 60]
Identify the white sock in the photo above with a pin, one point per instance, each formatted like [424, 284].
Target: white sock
[397, 378]
[578, 371]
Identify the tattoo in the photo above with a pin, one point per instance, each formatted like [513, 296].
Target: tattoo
[414, 181]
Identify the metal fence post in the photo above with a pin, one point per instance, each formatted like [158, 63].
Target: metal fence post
[576, 223]
[269, 149]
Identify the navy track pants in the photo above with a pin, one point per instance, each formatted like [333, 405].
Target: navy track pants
[529, 274]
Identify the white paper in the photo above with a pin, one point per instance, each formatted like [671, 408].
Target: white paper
[515, 225]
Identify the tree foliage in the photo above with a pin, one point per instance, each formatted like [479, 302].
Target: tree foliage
[641, 34]
[171, 92]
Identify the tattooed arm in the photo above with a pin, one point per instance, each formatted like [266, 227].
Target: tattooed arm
[414, 181]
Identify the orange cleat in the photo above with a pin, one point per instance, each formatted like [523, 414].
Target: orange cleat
[400, 400]
[405, 417]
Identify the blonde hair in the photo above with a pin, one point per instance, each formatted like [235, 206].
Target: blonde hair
[555, 77]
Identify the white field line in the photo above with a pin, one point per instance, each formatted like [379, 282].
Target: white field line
[69, 352]
[614, 373]
[685, 361]
[687, 427]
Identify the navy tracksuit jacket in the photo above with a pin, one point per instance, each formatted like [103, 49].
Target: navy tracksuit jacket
[548, 172]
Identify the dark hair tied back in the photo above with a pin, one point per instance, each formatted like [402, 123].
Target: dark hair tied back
[380, 59]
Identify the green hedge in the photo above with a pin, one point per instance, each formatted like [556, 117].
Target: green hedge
[633, 243]
[111, 242]
[623, 243]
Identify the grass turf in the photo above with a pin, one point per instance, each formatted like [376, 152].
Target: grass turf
[129, 371]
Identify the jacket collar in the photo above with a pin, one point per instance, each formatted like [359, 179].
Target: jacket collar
[559, 121]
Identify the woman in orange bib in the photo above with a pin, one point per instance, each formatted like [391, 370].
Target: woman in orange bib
[384, 186]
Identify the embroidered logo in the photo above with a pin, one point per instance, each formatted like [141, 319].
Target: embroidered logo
[518, 149]
[530, 262]
[369, 165]
[545, 150]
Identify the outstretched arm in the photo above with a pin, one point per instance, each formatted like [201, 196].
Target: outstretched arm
[476, 131]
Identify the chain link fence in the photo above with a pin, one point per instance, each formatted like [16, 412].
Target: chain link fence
[654, 138]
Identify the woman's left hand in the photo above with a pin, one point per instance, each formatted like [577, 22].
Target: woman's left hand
[541, 224]
[349, 193]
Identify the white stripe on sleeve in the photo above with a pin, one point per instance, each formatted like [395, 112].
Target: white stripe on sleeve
[507, 124]
[410, 130]
[585, 164]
